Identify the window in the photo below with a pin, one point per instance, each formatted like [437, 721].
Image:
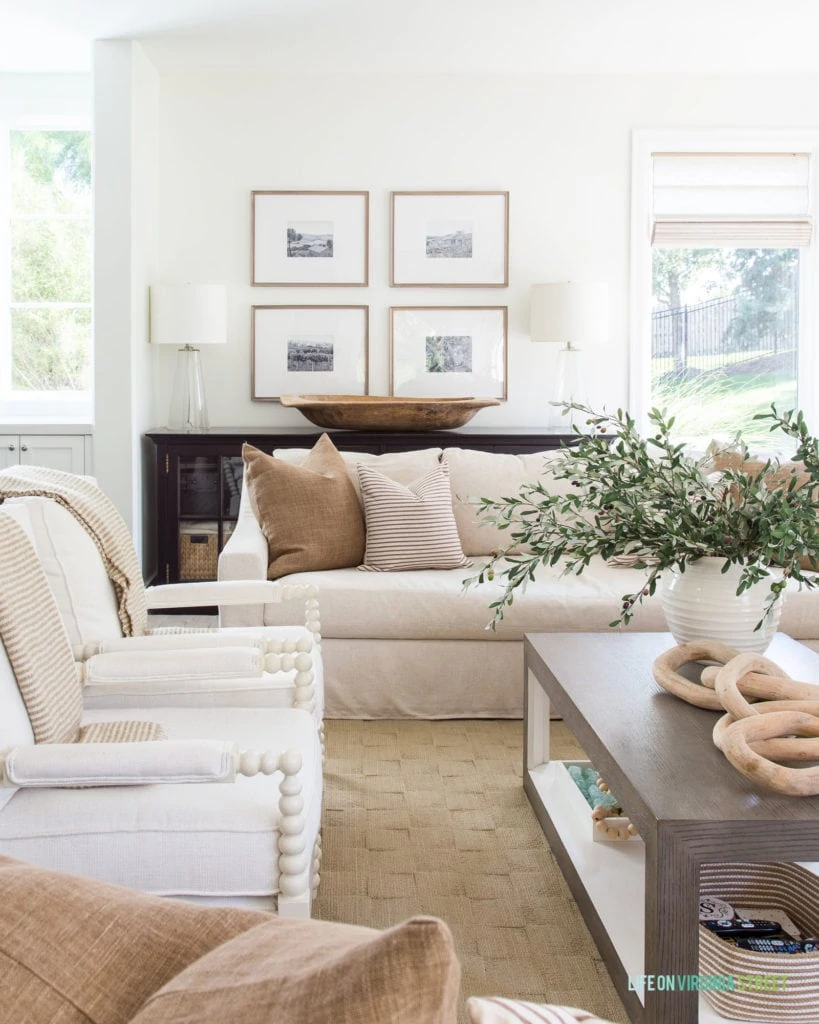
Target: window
[723, 260]
[46, 337]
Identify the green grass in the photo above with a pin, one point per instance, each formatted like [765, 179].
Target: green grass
[713, 405]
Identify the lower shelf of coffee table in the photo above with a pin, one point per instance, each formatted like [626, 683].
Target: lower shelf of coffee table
[613, 874]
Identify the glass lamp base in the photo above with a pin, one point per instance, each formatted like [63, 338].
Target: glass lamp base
[569, 384]
[189, 412]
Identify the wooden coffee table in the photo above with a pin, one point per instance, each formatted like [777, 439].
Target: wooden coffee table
[639, 898]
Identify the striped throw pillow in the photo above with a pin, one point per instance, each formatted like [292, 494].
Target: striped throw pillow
[409, 526]
[512, 1011]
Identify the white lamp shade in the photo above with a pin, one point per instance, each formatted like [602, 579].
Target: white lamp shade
[189, 314]
[570, 312]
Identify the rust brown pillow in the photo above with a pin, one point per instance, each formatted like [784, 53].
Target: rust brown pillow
[728, 460]
[318, 972]
[78, 951]
[309, 514]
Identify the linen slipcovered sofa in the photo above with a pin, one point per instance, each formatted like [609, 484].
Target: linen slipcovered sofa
[414, 644]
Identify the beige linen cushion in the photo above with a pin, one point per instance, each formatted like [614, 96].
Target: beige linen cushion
[309, 514]
[409, 527]
[76, 951]
[492, 475]
[317, 972]
[401, 466]
[493, 1010]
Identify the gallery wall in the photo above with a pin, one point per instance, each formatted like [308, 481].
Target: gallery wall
[559, 144]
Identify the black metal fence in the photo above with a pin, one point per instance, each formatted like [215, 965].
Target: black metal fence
[710, 337]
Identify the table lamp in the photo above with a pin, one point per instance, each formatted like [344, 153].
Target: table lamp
[574, 314]
[188, 315]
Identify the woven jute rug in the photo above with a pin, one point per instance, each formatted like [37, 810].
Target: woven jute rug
[431, 818]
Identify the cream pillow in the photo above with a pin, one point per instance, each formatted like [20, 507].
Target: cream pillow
[401, 466]
[409, 527]
[512, 1011]
[493, 475]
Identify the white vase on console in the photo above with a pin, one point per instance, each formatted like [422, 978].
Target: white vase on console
[702, 604]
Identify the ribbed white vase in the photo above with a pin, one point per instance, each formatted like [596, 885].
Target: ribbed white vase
[702, 604]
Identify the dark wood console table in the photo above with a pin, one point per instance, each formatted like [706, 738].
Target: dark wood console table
[197, 478]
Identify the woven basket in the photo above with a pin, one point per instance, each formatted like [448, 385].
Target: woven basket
[198, 551]
[793, 889]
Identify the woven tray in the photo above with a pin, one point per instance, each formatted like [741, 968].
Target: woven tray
[796, 891]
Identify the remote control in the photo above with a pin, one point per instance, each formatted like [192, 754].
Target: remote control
[776, 945]
[743, 926]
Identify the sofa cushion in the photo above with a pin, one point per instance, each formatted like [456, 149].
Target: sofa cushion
[409, 526]
[317, 972]
[216, 839]
[81, 952]
[404, 467]
[431, 604]
[309, 514]
[493, 475]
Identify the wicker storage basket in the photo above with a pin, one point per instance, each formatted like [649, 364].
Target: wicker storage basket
[198, 551]
[793, 889]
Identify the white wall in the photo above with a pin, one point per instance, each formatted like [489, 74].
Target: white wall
[126, 106]
[560, 144]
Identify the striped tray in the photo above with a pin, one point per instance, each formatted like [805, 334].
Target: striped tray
[795, 890]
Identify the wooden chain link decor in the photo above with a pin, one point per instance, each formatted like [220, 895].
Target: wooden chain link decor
[768, 718]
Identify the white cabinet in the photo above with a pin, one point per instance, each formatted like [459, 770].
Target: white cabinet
[56, 451]
[9, 450]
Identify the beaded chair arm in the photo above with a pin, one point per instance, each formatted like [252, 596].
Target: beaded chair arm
[60, 765]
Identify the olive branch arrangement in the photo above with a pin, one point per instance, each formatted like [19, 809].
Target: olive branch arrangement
[645, 498]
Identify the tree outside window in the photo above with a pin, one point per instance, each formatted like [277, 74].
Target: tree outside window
[51, 261]
[725, 338]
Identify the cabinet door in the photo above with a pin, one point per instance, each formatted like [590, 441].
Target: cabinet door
[56, 451]
[9, 450]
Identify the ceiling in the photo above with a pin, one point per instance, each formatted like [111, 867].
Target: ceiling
[426, 36]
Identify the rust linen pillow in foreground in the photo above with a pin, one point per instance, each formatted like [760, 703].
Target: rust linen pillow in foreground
[83, 952]
[309, 514]
[318, 972]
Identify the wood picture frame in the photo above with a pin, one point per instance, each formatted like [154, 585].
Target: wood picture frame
[292, 347]
[308, 239]
[433, 356]
[449, 239]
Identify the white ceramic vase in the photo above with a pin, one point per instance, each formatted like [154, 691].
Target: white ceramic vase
[702, 604]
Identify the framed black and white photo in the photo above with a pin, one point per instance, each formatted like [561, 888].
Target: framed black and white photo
[450, 240]
[308, 350]
[310, 238]
[448, 351]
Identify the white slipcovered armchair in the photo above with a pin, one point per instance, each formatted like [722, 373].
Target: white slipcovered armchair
[276, 666]
[216, 804]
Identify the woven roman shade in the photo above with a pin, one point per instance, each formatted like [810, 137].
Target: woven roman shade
[731, 200]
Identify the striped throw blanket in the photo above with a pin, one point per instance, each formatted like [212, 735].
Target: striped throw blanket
[38, 648]
[98, 515]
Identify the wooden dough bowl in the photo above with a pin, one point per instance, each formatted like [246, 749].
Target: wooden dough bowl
[376, 412]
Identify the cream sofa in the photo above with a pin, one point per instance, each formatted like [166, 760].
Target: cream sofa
[414, 644]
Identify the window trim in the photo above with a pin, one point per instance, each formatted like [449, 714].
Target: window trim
[42, 406]
[644, 143]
